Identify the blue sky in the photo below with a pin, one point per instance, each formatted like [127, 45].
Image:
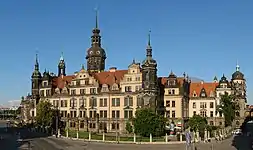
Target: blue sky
[202, 38]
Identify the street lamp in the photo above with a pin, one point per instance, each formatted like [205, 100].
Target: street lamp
[87, 123]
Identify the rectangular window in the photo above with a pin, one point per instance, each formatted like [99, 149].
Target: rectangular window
[44, 84]
[167, 103]
[47, 92]
[93, 102]
[90, 114]
[92, 90]
[86, 82]
[211, 105]
[173, 114]
[80, 114]
[116, 102]
[73, 92]
[194, 113]
[128, 101]
[193, 105]
[140, 102]
[113, 101]
[173, 104]
[113, 114]
[117, 114]
[167, 114]
[202, 105]
[82, 91]
[128, 89]
[128, 114]
[103, 102]
[203, 113]
[211, 113]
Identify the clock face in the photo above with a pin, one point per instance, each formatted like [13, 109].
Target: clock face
[91, 52]
[98, 52]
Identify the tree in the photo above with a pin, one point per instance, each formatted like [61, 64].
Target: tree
[147, 122]
[129, 127]
[199, 123]
[45, 113]
[227, 107]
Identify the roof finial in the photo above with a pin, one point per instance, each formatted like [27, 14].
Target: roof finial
[61, 58]
[96, 10]
[133, 61]
[237, 66]
[82, 67]
[149, 32]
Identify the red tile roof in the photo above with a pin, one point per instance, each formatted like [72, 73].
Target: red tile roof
[106, 77]
[61, 81]
[180, 80]
[197, 86]
[110, 78]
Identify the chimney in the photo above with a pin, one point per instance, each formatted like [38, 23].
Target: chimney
[112, 69]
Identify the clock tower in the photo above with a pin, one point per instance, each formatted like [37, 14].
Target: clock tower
[149, 78]
[96, 54]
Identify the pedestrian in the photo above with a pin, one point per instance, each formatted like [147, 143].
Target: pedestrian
[188, 139]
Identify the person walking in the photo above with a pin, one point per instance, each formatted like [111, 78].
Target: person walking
[188, 139]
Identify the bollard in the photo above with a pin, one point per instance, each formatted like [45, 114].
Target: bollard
[103, 136]
[150, 138]
[67, 133]
[134, 138]
[166, 138]
[89, 136]
[77, 135]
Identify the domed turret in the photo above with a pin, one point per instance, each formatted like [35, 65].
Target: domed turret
[223, 79]
[237, 75]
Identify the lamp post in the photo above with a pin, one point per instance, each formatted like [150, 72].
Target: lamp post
[77, 127]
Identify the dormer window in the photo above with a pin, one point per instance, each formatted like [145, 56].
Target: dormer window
[114, 87]
[194, 94]
[104, 88]
[203, 93]
[45, 84]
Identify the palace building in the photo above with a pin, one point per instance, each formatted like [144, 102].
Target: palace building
[97, 99]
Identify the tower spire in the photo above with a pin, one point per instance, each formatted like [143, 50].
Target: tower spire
[36, 62]
[149, 48]
[61, 58]
[96, 10]
[237, 66]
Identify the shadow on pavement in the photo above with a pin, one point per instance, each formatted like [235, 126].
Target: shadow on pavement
[244, 141]
[14, 137]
